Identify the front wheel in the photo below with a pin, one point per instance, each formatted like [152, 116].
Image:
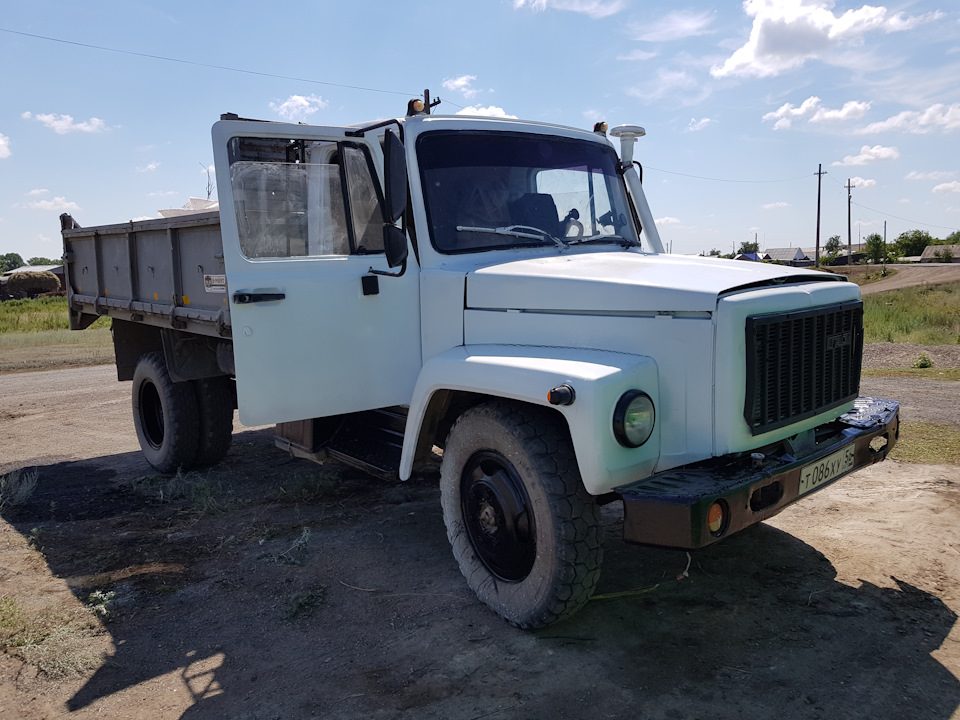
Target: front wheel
[524, 531]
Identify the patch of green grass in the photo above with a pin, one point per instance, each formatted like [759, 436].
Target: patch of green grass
[932, 373]
[925, 315]
[16, 487]
[49, 349]
[314, 486]
[195, 490]
[302, 604]
[58, 646]
[928, 442]
[37, 315]
[296, 554]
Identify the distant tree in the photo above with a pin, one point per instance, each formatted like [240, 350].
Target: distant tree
[713, 253]
[42, 261]
[833, 245]
[748, 247]
[953, 238]
[913, 242]
[874, 249]
[10, 261]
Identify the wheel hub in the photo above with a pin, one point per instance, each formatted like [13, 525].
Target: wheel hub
[498, 517]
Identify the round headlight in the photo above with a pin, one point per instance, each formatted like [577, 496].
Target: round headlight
[633, 418]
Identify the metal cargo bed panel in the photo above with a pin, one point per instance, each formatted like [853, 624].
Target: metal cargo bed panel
[167, 272]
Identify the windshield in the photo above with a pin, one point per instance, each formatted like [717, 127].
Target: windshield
[487, 190]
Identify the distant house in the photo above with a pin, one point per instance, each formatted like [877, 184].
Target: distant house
[752, 257]
[791, 256]
[930, 253]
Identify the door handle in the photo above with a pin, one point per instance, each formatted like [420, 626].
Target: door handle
[243, 298]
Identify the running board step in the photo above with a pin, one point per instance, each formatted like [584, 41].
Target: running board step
[371, 441]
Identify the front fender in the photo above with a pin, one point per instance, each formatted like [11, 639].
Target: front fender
[527, 374]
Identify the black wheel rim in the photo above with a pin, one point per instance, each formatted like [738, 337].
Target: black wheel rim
[497, 515]
[151, 414]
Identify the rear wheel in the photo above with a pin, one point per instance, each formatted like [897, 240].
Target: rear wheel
[165, 414]
[215, 405]
[524, 531]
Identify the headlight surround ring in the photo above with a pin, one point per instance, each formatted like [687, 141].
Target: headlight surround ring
[634, 418]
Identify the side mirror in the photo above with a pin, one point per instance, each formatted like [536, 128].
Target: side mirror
[394, 245]
[395, 176]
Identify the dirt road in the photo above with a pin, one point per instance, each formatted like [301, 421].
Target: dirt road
[273, 588]
[911, 275]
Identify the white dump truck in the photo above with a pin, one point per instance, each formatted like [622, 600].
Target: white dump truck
[493, 292]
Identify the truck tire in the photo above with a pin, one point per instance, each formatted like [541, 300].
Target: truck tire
[524, 531]
[215, 405]
[165, 415]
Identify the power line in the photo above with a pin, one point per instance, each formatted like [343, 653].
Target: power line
[699, 177]
[205, 65]
[906, 220]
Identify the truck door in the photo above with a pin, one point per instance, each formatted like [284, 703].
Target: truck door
[301, 212]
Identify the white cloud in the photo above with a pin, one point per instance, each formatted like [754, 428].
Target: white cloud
[851, 110]
[37, 192]
[936, 175]
[594, 8]
[667, 82]
[776, 205]
[637, 55]
[4, 146]
[862, 183]
[58, 204]
[935, 117]
[868, 155]
[697, 125]
[950, 187]
[298, 107]
[677, 25]
[490, 111]
[787, 33]
[462, 85]
[63, 124]
[149, 167]
[667, 221]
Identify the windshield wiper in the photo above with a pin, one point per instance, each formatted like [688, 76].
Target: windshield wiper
[615, 239]
[518, 231]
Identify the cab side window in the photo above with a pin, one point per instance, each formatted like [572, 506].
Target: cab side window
[304, 199]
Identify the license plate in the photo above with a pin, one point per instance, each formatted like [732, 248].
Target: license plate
[830, 468]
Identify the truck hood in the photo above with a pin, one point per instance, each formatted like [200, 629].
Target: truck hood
[626, 281]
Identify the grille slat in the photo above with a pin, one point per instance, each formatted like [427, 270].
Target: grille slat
[802, 363]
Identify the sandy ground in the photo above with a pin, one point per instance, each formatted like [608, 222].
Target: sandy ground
[843, 606]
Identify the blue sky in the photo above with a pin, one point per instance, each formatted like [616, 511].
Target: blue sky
[740, 102]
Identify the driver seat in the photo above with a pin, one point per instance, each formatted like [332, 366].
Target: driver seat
[537, 210]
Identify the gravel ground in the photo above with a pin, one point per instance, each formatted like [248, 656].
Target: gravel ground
[903, 355]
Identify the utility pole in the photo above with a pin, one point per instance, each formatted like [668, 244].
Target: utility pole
[849, 232]
[816, 253]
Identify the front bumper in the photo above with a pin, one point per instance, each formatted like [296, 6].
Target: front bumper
[671, 508]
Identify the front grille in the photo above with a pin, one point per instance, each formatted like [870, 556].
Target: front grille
[801, 363]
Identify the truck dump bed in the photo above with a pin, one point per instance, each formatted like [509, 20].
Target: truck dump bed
[166, 272]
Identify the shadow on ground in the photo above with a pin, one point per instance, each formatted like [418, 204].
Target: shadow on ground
[292, 591]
